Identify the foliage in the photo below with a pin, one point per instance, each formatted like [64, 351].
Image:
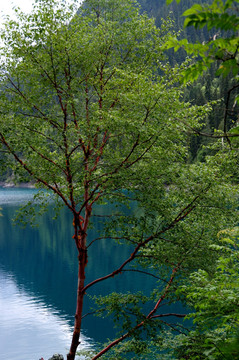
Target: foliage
[190, 242]
[91, 111]
[223, 46]
[213, 297]
[215, 62]
[109, 101]
[206, 85]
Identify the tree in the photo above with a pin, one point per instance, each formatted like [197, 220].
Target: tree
[91, 113]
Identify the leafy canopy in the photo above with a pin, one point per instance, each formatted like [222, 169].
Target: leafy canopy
[81, 97]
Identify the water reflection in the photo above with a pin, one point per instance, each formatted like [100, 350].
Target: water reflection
[37, 280]
[42, 286]
[16, 196]
[29, 327]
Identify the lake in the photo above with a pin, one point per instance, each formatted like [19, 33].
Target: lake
[38, 279]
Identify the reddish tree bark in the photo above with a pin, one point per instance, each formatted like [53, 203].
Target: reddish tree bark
[79, 307]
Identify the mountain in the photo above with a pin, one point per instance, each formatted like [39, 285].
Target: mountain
[209, 86]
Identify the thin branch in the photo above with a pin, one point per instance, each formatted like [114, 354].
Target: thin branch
[100, 150]
[74, 149]
[175, 328]
[47, 159]
[169, 314]
[116, 272]
[55, 189]
[89, 313]
[144, 272]
[43, 116]
[180, 217]
[142, 323]
[123, 163]
[45, 136]
[109, 237]
[142, 155]
[106, 216]
[154, 258]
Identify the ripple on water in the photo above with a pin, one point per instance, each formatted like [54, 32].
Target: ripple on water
[10, 196]
[29, 329]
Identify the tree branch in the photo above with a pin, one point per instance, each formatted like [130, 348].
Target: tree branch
[147, 318]
[33, 175]
[43, 116]
[180, 217]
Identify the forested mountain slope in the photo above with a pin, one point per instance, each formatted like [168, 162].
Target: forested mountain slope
[160, 10]
[208, 87]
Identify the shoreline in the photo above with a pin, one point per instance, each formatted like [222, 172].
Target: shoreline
[8, 184]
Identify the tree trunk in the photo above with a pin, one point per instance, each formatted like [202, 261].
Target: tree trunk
[79, 307]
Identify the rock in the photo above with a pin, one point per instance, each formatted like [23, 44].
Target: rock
[57, 357]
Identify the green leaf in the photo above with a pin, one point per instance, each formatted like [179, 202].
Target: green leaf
[193, 10]
[227, 66]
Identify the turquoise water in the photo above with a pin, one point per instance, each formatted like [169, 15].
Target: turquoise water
[38, 278]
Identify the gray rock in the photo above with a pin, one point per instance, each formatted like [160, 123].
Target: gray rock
[57, 357]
